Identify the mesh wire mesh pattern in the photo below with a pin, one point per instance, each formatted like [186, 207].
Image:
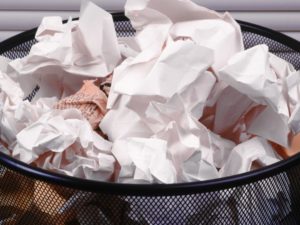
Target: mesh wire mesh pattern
[271, 200]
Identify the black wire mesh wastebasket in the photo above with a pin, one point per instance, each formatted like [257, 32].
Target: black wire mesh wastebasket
[266, 196]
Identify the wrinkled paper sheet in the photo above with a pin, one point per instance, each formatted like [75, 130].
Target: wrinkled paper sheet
[65, 53]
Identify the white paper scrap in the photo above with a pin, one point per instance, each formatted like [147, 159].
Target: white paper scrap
[64, 141]
[230, 106]
[186, 137]
[250, 73]
[221, 36]
[15, 113]
[294, 121]
[180, 63]
[270, 125]
[67, 54]
[143, 160]
[245, 154]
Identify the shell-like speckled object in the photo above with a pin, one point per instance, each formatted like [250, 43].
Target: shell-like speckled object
[90, 100]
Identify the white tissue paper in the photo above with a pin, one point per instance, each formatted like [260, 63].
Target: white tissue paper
[156, 25]
[64, 141]
[68, 53]
[189, 142]
[256, 73]
[294, 121]
[225, 117]
[145, 84]
[249, 72]
[15, 113]
[64, 56]
[143, 160]
[245, 154]
[185, 19]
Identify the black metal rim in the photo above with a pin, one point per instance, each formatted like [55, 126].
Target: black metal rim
[149, 189]
[245, 26]
[152, 189]
[274, 35]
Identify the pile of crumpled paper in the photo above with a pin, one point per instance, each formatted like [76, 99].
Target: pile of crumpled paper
[180, 101]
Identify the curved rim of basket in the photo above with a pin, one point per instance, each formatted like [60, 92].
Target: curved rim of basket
[150, 189]
[153, 189]
[14, 41]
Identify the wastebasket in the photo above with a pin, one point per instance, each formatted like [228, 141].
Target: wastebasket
[270, 195]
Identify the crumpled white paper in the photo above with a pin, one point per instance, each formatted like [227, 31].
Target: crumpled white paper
[185, 19]
[294, 121]
[267, 80]
[162, 67]
[68, 53]
[165, 77]
[245, 154]
[143, 160]
[189, 142]
[4, 64]
[65, 142]
[162, 88]
[15, 113]
[135, 110]
[64, 56]
[157, 26]
[250, 73]
[225, 117]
